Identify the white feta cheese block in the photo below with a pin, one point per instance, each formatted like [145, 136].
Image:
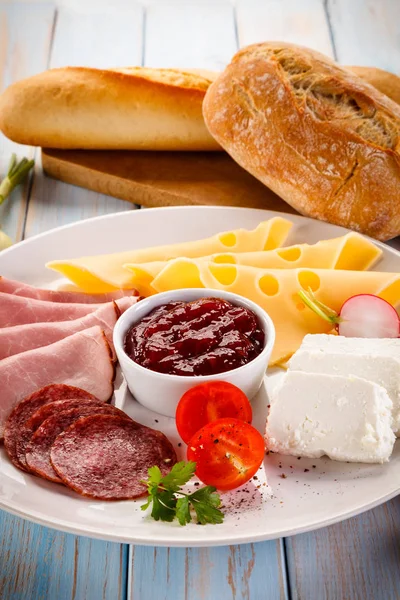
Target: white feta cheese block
[345, 418]
[377, 360]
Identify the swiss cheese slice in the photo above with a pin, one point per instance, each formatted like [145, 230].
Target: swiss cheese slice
[104, 273]
[276, 291]
[350, 252]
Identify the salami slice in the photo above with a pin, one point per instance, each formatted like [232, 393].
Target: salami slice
[47, 410]
[37, 453]
[27, 407]
[105, 457]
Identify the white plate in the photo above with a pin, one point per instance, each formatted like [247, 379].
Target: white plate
[308, 497]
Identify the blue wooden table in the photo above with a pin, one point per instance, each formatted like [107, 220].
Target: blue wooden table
[357, 559]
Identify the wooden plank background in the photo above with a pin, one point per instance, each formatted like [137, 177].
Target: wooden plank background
[357, 559]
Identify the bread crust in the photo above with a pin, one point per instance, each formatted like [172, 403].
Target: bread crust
[124, 109]
[385, 82]
[324, 140]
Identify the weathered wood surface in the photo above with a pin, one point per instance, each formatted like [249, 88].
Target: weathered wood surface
[39, 563]
[354, 560]
[25, 38]
[95, 39]
[366, 32]
[247, 572]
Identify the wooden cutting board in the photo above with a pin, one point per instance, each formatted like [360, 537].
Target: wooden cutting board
[162, 178]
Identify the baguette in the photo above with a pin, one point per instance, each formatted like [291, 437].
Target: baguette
[320, 137]
[119, 109]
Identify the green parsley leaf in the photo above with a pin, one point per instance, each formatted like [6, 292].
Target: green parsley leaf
[180, 474]
[164, 506]
[205, 502]
[207, 494]
[183, 510]
[207, 514]
[155, 475]
[168, 501]
[146, 505]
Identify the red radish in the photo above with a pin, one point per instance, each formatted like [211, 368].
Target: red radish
[361, 316]
[368, 316]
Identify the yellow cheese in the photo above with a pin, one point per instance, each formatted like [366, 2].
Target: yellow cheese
[350, 252]
[103, 273]
[277, 292]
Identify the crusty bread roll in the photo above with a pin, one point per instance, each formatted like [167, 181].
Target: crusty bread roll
[317, 135]
[385, 82]
[120, 109]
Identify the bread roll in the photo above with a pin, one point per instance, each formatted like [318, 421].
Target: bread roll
[385, 82]
[317, 135]
[118, 109]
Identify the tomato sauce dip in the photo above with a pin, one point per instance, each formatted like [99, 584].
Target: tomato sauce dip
[203, 337]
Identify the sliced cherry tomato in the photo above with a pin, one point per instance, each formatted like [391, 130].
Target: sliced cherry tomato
[207, 402]
[228, 452]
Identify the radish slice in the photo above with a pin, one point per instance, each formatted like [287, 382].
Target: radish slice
[368, 316]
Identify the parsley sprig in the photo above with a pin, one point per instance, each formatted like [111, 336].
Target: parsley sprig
[168, 501]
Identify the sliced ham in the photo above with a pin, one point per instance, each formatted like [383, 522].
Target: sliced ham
[17, 310]
[8, 286]
[82, 360]
[14, 340]
[124, 303]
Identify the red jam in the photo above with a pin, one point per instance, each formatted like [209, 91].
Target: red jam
[203, 337]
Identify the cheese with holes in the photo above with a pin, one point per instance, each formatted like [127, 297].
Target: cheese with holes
[345, 418]
[104, 273]
[276, 291]
[350, 252]
[377, 360]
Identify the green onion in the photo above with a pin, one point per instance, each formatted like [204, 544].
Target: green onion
[17, 171]
[323, 311]
[5, 240]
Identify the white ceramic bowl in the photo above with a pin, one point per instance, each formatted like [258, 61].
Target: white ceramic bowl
[161, 392]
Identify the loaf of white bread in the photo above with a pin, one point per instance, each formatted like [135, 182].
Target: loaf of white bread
[316, 134]
[116, 109]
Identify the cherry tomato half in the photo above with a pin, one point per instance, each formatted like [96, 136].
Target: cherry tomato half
[228, 453]
[207, 402]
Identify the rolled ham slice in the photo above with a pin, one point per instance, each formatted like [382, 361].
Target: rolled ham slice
[9, 286]
[82, 360]
[21, 338]
[17, 310]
